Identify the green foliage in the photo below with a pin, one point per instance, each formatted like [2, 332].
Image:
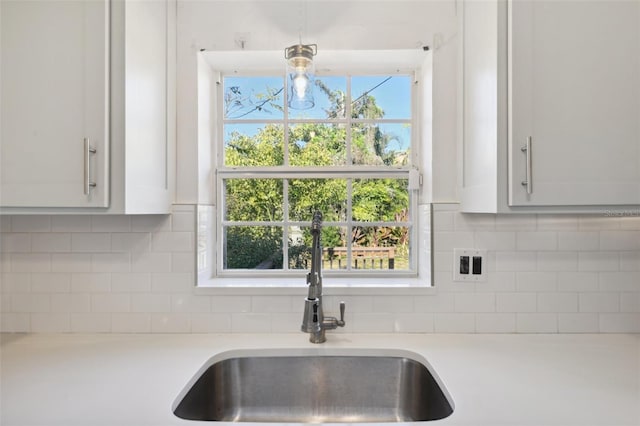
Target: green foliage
[249, 246]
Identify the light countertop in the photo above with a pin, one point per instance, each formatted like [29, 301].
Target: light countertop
[111, 379]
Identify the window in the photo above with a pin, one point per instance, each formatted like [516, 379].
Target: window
[350, 157]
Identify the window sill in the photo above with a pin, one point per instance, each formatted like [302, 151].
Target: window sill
[331, 286]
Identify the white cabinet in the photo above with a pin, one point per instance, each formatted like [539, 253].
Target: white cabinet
[55, 103]
[563, 78]
[44, 125]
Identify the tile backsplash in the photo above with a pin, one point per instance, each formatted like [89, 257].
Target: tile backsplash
[546, 273]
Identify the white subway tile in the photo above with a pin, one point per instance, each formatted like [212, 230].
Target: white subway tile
[393, 304]
[107, 302]
[598, 261]
[210, 323]
[15, 242]
[413, 323]
[372, 322]
[28, 223]
[515, 222]
[498, 282]
[250, 323]
[535, 241]
[557, 302]
[15, 322]
[134, 282]
[443, 261]
[15, 283]
[94, 242]
[30, 262]
[50, 283]
[443, 221]
[516, 302]
[274, 304]
[231, 303]
[150, 302]
[536, 281]
[454, 323]
[620, 323]
[30, 302]
[131, 242]
[445, 241]
[577, 281]
[183, 222]
[557, 261]
[495, 241]
[620, 240]
[630, 302]
[579, 240]
[50, 323]
[630, 261]
[151, 262]
[90, 323]
[70, 262]
[71, 302]
[578, 323]
[630, 222]
[110, 262]
[474, 222]
[356, 304]
[496, 323]
[597, 222]
[183, 262]
[190, 303]
[286, 322]
[110, 223]
[172, 282]
[90, 283]
[515, 261]
[130, 323]
[475, 302]
[172, 242]
[151, 223]
[559, 222]
[5, 223]
[50, 242]
[599, 302]
[71, 223]
[536, 323]
[619, 281]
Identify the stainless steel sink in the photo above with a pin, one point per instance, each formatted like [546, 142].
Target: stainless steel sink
[312, 388]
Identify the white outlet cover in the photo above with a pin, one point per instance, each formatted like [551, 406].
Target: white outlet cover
[470, 277]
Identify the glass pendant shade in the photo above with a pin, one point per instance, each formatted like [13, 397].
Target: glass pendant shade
[300, 72]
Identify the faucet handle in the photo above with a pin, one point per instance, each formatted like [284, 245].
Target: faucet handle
[342, 308]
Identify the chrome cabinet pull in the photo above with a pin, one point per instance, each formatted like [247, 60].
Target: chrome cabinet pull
[88, 150]
[528, 166]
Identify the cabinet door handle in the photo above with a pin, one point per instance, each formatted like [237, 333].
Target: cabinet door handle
[528, 166]
[88, 150]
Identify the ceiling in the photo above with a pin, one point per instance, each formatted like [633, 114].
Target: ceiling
[335, 25]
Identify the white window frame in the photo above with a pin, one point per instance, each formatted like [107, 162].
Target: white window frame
[341, 172]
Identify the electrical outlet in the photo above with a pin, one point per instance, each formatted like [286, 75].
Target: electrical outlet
[469, 265]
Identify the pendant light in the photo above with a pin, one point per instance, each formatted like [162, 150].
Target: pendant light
[300, 73]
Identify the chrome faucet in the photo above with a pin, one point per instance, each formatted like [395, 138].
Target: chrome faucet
[314, 322]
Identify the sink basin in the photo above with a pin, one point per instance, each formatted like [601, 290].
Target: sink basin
[343, 387]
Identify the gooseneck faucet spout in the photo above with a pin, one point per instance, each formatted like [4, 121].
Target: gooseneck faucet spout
[314, 322]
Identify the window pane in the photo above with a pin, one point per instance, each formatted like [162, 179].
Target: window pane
[380, 247]
[253, 199]
[381, 144]
[333, 240]
[329, 94]
[317, 145]
[252, 247]
[380, 200]
[253, 145]
[306, 196]
[381, 97]
[253, 97]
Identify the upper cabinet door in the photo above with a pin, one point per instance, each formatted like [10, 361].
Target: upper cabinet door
[54, 103]
[574, 103]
